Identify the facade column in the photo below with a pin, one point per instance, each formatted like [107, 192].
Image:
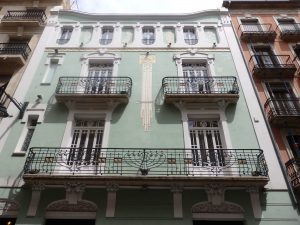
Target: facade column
[255, 201]
[177, 201]
[111, 200]
[179, 35]
[74, 192]
[35, 198]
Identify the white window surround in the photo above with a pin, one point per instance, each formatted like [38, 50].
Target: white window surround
[59, 57]
[194, 57]
[99, 57]
[95, 114]
[32, 111]
[206, 114]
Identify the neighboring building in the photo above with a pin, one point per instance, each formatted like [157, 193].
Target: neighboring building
[139, 119]
[269, 35]
[21, 25]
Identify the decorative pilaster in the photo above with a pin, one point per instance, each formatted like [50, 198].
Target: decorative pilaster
[215, 194]
[111, 200]
[255, 201]
[146, 98]
[74, 192]
[177, 201]
[35, 198]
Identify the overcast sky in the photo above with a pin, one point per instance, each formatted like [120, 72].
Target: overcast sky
[145, 6]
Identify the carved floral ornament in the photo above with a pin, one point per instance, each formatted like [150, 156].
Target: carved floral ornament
[64, 206]
[225, 207]
[193, 54]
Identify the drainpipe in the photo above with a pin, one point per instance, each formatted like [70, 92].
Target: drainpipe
[283, 168]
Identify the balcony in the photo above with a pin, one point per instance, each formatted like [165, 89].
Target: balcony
[13, 54]
[283, 112]
[293, 171]
[256, 33]
[140, 167]
[289, 31]
[272, 66]
[91, 90]
[24, 18]
[200, 89]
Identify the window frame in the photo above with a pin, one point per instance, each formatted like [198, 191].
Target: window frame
[65, 38]
[107, 35]
[189, 40]
[147, 31]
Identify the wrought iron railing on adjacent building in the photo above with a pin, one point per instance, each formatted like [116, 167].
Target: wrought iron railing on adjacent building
[255, 32]
[293, 171]
[94, 85]
[289, 107]
[146, 162]
[288, 29]
[200, 85]
[15, 49]
[34, 15]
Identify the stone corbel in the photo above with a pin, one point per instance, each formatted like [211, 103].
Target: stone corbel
[36, 190]
[111, 199]
[222, 104]
[255, 201]
[215, 194]
[177, 201]
[74, 192]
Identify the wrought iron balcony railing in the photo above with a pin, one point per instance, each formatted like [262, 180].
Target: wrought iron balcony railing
[191, 41]
[94, 85]
[62, 41]
[19, 15]
[289, 31]
[147, 41]
[256, 32]
[272, 65]
[293, 171]
[283, 110]
[15, 49]
[146, 162]
[200, 85]
[105, 41]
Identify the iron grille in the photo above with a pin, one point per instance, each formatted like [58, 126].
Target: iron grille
[15, 49]
[35, 15]
[293, 171]
[282, 107]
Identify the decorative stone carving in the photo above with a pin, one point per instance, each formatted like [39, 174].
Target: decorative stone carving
[74, 192]
[65, 206]
[215, 194]
[225, 207]
[112, 187]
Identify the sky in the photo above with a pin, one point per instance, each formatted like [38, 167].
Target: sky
[145, 6]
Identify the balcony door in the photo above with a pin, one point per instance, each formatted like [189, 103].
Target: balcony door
[251, 25]
[98, 81]
[206, 144]
[85, 146]
[265, 57]
[194, 74]
[283, 98]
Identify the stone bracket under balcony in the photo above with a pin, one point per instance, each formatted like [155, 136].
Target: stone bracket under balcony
[289, 32]
[24, 18]
[101, 92]
[272, 66]
[200, 89]
[256, 33]
[283, 112]
[146, 167]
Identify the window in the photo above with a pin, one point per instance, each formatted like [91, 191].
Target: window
[50, 71]
[98, 78]
[148, 35]
[192, 72]
[86, 35]
[294, 144]
[251, 25]
[288, 25]
[31, 124]
[86, 141]
[265, 57]
[107, 35]
[190, 36]
[169, 35]
[65, 36]
[127, 35]
[206, 143]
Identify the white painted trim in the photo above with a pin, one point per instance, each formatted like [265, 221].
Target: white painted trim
[105, 114]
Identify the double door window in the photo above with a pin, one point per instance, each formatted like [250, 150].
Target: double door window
[206, 142]
[265, 57]
[196, 77]
[99, 78]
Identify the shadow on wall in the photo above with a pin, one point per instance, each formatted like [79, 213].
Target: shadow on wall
[117, 113]
[166, 113]
[230, 112]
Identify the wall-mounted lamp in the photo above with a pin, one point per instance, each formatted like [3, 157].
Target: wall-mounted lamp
[56, 51]
[81, 44]
[169, 45]
[214, 45]
[147, 53]
[125, 45]
[3, 109]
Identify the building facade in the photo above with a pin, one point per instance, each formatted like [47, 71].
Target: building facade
[136, 119]
[269, 36]
[22, 23]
